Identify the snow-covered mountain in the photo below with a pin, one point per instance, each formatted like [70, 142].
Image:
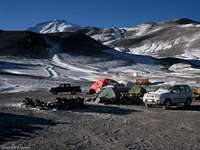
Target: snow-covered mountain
[53, 26]
[178, 38]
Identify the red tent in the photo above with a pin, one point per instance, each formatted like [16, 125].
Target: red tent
[99, 84]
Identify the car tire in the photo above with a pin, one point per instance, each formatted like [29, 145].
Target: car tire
[167, 104]
[147, 105]
[73, 92]
[188, 102]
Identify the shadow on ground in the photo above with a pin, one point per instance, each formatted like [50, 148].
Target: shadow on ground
[13, 127]
[92, 108]
[191, 108]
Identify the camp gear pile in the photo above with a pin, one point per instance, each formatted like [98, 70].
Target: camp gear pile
[59, 104]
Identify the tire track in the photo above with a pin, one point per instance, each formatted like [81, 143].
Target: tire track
[50, 69]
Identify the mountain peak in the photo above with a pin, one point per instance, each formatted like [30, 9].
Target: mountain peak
[58, 20]
[52, 26]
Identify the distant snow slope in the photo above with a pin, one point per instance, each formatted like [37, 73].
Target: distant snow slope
[53, 26]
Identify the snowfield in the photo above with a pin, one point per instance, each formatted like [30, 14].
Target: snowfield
[16, 75]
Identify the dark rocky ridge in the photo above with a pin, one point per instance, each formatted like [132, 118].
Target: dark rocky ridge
[34, 45]
[79, 43]
[23, 44]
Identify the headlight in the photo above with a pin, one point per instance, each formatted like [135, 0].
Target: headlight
[157, 96]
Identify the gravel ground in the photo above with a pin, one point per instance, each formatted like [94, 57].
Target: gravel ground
[96, 127]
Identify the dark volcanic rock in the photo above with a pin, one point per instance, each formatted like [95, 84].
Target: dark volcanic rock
[78, 43]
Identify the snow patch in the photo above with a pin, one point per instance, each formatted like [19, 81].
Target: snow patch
[189, 26]
[184, 69]
[191, 54]
[58, 61]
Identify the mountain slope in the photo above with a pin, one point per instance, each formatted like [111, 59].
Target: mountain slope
[166, 39]
[28, 44]
[23, 44]
[178, 38]
[78, 43]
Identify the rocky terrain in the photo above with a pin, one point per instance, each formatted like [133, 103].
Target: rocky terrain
[96, 126]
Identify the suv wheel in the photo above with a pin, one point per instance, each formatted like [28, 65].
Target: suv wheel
[73, 92]
[188, 102]
[146, 105]
[167, 104]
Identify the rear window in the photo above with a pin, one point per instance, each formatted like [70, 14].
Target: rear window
[187, 89]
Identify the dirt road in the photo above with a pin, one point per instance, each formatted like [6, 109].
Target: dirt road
[96, 126]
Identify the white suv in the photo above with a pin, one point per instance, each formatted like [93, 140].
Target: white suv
[169, 95]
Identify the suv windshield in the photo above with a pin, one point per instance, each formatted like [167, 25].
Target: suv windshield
[163, 88]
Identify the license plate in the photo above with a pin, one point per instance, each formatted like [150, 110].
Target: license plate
[150, 100]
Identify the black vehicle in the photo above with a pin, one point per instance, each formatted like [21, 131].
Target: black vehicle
[65, 88]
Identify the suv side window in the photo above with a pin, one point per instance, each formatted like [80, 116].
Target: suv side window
[187, 89]
[183, 89]
[176, 90]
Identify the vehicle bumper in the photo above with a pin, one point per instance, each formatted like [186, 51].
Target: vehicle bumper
[151, 102]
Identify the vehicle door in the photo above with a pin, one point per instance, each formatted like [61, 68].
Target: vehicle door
[188, 92]
[175, 95]
[183, 94]
[62, 88]
[67, 88]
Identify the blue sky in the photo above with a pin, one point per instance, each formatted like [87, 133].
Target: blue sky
[20, 14]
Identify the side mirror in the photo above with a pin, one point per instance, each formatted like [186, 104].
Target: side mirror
[173, 91]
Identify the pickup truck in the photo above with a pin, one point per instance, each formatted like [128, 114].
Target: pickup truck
[65, 88]
[169, 95]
